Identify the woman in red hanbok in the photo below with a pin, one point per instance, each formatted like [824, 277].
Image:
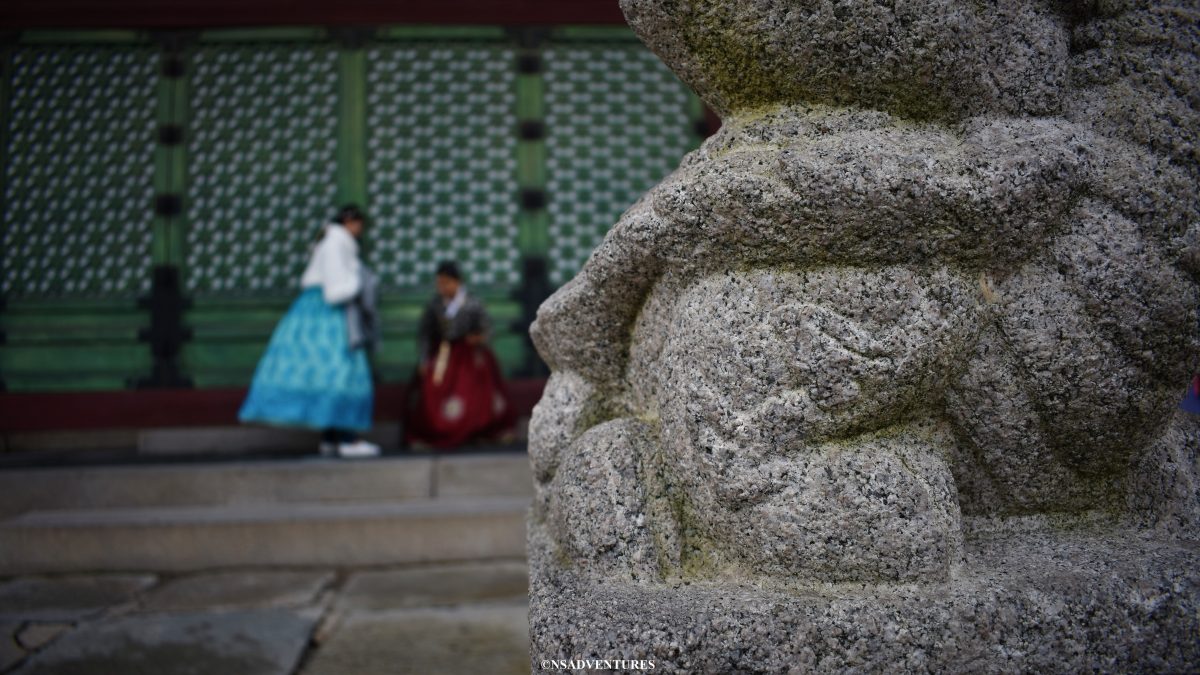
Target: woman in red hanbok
[458, 394]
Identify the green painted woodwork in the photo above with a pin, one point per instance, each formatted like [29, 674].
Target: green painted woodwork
[442, 183]
[178, 100]
[82, 37]
[231, 338]
[78, 188]
[79, 171]
[161, 239]
[262, 163]
[48, 331]
[71, 345]
[441, 33]
[695, 109]
[531, 163]
[533, 238]
[510, 350]
[533, 235]
[220, 379]
[170, 170]
[399, 320]
[5, 68]
[419, 124]
[60, 306]
[270, 34]
[610, 34]
[21, 359]
[81, 380]
[530, 96]
[617, 122]
[352, 128]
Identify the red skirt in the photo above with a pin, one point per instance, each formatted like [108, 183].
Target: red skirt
[460, 397]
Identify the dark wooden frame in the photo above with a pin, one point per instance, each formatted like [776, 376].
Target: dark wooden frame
[149, 408]
[183, 14]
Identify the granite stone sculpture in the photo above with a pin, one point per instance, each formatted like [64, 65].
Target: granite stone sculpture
[885, 375]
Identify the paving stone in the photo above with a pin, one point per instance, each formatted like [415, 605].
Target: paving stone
[241, 589]
[34, 636]
[434, 586]
[10, 651]
[491, 639]
[67, 598]
[258, 642]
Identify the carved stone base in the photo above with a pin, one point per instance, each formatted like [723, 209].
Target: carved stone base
[1040, 598]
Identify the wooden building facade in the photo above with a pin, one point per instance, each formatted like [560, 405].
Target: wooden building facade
[164, 178]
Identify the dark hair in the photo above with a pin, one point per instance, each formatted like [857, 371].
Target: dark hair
[350, 212]
[449, 268]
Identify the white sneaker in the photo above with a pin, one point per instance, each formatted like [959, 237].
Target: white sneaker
[357, 449]
[327, 448]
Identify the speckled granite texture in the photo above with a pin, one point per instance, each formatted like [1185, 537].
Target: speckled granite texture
[884, 376]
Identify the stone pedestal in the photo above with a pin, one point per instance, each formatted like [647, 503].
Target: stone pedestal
[885, 375]
[1089, 599]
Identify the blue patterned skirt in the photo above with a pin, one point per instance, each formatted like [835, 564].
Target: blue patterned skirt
[309, 376]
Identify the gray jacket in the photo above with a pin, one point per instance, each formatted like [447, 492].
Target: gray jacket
[362, 313]
[435, 326]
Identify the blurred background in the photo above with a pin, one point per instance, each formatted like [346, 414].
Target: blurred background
[166, 168]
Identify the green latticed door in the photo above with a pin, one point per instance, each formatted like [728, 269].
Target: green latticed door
[617, 122]
[442, 161]
[262, 176]
[78, 176]
[262, 164]
[441, 176]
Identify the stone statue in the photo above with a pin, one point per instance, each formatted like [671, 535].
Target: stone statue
[915, 322]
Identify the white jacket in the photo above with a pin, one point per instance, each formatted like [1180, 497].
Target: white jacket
[334, 266]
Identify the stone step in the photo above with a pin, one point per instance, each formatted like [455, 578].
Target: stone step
[304, 480]
[188, 538]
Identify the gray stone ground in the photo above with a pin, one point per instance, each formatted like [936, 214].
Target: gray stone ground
[450, 618]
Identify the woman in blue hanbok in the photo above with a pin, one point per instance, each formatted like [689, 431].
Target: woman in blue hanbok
[313, 375]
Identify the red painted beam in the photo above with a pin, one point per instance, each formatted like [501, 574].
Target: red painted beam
[178, 14]
[180, 407]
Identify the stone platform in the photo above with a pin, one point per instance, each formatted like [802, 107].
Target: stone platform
[311, 511]
[1090, 598]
